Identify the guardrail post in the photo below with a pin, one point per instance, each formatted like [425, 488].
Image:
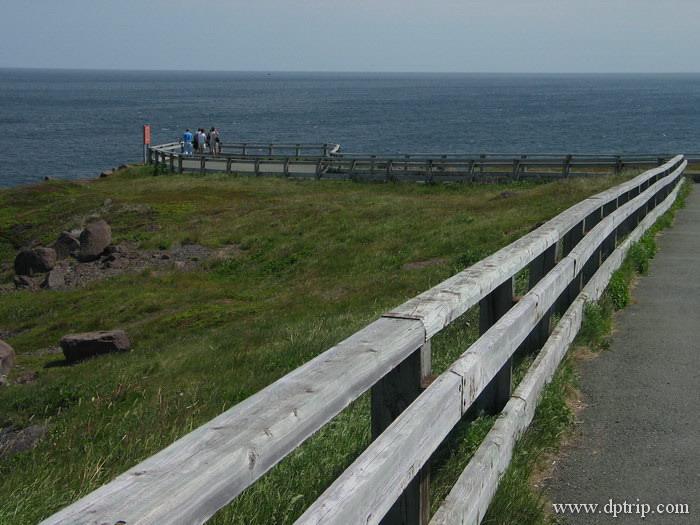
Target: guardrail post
[491, 308]
[516, 169]
[389, 165]
[566, 170]
[228, 166]
[202, 165]
[172, 162]
[592, 264]
[570, 239]
[540, 267]
[390, 396]
[353, 166]
[180, 169]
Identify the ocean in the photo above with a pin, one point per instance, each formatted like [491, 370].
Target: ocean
[76, 123]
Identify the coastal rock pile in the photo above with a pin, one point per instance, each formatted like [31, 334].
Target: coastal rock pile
[47, 267]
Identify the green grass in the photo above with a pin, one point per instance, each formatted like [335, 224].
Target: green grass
[518, 501]
[310, 264]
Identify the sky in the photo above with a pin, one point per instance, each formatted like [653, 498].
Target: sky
[500, 36]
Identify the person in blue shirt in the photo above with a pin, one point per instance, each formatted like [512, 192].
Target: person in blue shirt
[187, 142]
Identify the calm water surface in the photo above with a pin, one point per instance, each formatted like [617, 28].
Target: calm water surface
[74, 124]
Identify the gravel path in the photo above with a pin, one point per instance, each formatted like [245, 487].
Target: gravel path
[639, 435]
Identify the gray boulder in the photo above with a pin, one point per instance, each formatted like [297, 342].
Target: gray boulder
[55, 279]
[38, 260]
[7, 357]
[81, 346]
[93, 240]
[65, 245]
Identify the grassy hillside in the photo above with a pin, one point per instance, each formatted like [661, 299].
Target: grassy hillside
[297, 266]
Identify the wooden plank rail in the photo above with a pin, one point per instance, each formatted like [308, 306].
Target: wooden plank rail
[191, 479]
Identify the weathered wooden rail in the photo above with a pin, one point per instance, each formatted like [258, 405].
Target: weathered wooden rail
[326, 161]
[570, 259]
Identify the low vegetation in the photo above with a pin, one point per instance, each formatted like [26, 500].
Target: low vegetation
[305, 265]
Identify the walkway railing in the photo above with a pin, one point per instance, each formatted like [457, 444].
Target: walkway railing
[570, 260]
[326, 161]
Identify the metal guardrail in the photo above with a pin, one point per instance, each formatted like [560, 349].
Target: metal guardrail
[326, 161]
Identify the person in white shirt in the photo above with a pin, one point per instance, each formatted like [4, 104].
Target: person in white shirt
[201, 141]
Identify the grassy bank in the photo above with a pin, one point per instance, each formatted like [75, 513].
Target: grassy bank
[302, 266]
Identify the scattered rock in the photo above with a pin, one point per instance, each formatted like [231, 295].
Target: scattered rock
[26, 378]
[505, 195]
[77, 347]
[122, 167]
[55, 279]
[65, 245]
[24, 282]
[47, 178]
[106, 173]
[38, 260]
[7, 357]
[93, 240]
[19, 440]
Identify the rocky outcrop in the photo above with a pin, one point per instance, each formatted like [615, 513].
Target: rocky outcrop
[37, 260]
[93, 240]
[77, 347]
[65, 245]
[7, 357]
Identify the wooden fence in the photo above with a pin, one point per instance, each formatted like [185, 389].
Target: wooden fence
[570, 259]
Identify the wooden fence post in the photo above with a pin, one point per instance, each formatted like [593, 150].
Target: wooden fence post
[390, 396]
[570, 239]
[540, 267]
[491, 308]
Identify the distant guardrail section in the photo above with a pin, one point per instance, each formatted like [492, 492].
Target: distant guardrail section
[326, 161]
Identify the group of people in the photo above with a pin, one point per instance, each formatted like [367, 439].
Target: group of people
[200, 142]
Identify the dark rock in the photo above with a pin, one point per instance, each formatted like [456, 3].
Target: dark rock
[81, 346]
[116, 263]
[26, 378]
[93, 240]
[7, 357]
[505, 195]
[24, 282]
[106, 173]
[55, 279]
[122, 167]
[65, 245]
[38, 260]
[117, 250]
[21, 440]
